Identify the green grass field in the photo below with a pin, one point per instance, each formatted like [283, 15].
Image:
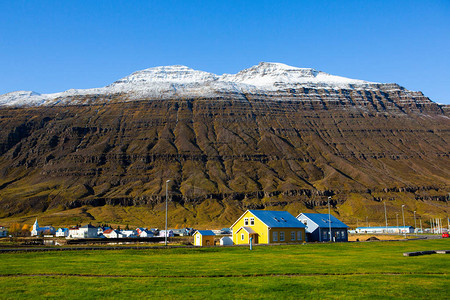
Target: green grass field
[344, 270]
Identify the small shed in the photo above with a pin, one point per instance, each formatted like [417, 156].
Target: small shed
[226, 241]
[204, 238]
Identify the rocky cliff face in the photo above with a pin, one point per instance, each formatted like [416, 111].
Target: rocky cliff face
[268, 137]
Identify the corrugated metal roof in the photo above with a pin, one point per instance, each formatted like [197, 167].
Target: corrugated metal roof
[322, 220]
[275, 219]
[206, 232]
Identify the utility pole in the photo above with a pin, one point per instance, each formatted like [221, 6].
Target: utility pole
[367, 221]
[421, 230]
[167, 197]
[396, 216]
[385, 216]
[329, 216]
[404, 225]
[415, 224]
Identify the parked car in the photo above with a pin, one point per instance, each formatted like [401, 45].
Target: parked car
[445, 235]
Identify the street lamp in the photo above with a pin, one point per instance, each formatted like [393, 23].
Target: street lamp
[404, 226]
[329, 216]
[415, 224]
[167, 197]
[385, 216]
[396, 216]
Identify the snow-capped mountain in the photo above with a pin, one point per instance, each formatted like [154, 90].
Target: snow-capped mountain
[180, 81]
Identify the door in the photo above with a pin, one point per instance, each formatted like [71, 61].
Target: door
[197, 240]
[255, 239]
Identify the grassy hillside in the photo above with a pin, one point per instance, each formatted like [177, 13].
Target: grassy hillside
[109, 163]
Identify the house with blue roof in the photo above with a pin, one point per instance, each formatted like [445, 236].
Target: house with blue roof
[62, 232]
[204, 238]
[318, 227]
[267, 227]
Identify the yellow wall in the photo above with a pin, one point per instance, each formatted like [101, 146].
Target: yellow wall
[237, 237]
[287, 235]
[259, 227]
[264, 237]
[204, 239]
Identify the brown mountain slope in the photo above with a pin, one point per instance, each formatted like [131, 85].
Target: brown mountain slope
[109, 162]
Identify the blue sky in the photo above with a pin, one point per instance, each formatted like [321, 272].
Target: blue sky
[52, 46]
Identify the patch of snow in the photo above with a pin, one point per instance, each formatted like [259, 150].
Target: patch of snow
[20, 98]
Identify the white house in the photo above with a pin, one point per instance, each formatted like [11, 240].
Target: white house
[145, 234]
[73, 232]
[163, 233]
[129, 233]
[140, 229]
[112, 234]
[89, 231]
[84, 232]
[62, 232]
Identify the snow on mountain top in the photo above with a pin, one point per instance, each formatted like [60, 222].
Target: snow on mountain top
[267, 74]
[19, 98]
[179, 74]
[180, 81]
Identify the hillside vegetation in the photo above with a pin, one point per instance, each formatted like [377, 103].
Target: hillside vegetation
[109, 162]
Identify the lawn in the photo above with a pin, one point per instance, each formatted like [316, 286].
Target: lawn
[341, 270]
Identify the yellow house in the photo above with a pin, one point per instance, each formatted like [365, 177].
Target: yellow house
[267, 227]
[204, 238]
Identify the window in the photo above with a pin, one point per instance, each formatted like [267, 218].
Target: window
[343, 234]
[275, 236]
[246, 221]
[281, 236]
[292, 235]
[252, 221]
[325, 235]
[305, 222]
[242, 236]
[299, 235]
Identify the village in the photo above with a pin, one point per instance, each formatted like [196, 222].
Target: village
[251, 228]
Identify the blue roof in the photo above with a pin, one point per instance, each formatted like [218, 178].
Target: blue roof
[276, 219]
[322, 220]
[206, 232]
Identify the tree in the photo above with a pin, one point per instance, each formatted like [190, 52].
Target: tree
[15, 229]
[26, 231]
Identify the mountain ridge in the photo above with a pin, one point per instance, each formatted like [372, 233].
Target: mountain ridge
[168, 82]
